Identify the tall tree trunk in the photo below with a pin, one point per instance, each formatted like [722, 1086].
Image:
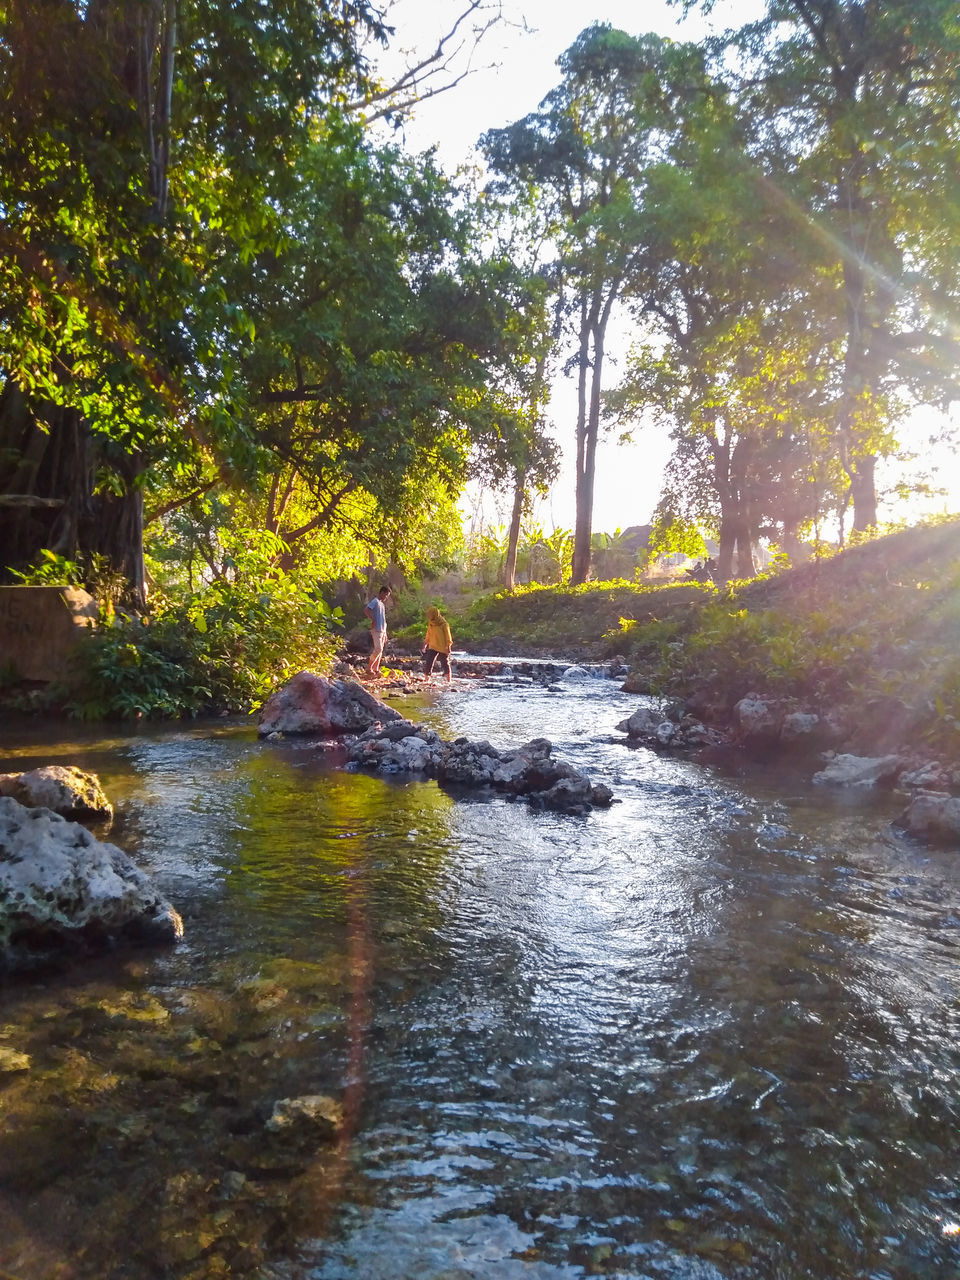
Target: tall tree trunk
[866, 306]
[743, 453]
[582, 430]
[48, 499]
[728, 542]
[513, 538]
[746, 565]
[46, 478]
[113, 527]
[587, 451]
[863, 491]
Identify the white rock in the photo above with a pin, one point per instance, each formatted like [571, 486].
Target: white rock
[65, 789]
[857, 771]
[56, 880]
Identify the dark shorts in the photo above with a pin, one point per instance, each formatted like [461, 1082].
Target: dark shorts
[429, 658]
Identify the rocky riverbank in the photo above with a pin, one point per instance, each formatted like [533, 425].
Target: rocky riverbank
[827, 747]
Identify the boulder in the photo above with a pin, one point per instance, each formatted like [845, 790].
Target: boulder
[65, 789]
[933, 816]
[644, 723]
[569, 795]
[41, 626]
[857, 771]
[312, 704]
[658, 729]
[758, 718]
[59, 884]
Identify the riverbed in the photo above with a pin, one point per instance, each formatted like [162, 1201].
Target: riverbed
[708, 1033]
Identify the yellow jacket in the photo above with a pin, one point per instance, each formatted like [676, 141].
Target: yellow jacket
[438, 632]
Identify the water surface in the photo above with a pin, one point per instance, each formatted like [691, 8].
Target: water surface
[709, 1032]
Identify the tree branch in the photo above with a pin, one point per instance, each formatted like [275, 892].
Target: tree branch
[418, 81]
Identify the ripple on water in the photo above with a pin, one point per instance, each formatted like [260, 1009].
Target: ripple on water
[709, 1032]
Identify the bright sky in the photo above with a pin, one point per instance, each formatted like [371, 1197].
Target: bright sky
[514, 68]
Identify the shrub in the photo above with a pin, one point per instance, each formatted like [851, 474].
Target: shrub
[224, 648]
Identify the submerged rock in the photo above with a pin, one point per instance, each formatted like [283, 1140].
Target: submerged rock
[314, 1110]
[65, 789]
[12, 1060]
[59, 884]
[313, 704]
[857, 771]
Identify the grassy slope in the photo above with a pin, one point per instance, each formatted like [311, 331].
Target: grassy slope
[572, 621]
[875, 629]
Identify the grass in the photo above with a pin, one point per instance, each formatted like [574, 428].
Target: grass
[586, 618]
[875, 629]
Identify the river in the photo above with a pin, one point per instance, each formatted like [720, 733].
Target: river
[707, 1034]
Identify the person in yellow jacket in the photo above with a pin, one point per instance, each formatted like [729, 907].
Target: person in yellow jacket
[438, 644]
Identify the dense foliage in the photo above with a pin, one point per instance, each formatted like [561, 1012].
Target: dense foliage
[778, 212]
[250, 350]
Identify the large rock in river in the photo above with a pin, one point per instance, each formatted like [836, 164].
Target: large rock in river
[59, 884]
[313, 704]
[933, 816]
[65, 789]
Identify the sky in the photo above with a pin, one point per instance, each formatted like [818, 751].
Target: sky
[513, 68]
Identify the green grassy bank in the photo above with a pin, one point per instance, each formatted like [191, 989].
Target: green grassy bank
[875, 629]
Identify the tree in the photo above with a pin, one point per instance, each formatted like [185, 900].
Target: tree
[585, 153]
[141, 148]
[723, 309]
[861, 98]
[515, 454]
[385, 340]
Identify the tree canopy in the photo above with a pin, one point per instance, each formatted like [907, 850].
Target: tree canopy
[234, 314]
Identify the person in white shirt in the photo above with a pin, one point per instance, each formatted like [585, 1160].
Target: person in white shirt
[377, 613]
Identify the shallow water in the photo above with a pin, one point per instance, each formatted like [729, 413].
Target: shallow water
[710, 1032]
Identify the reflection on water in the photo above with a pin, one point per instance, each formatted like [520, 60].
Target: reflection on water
[710, 1032]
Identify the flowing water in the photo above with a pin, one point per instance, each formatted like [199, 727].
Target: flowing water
[709, 1032]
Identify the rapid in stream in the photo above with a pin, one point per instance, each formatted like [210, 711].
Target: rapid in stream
[711, 1032]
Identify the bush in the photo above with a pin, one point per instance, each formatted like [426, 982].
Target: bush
[224, 648]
